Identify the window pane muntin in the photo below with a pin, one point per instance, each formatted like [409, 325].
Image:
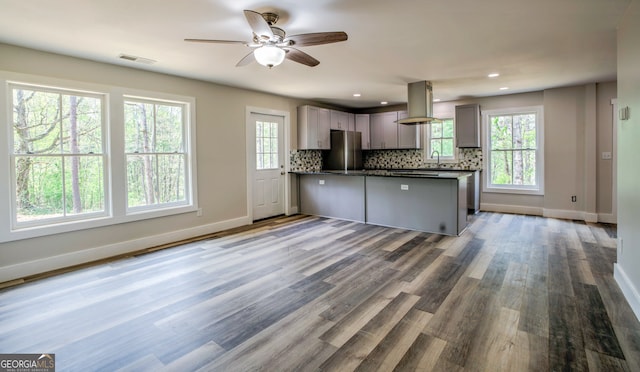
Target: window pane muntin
[141, 180]
[447, 128]
[155, 148]
[36, 121]
[526, 128]
[169, 129]
[441, 139]
[266, 145]
[89, 185]
[501, 137]
[86, 137]
[41, 197]
[171, 178]
[42, 188]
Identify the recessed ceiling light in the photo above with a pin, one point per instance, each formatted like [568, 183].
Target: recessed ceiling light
[494, 74]
[384, 102]
[504, 88]
[357, 94]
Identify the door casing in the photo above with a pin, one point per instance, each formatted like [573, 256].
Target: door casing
[250, 155]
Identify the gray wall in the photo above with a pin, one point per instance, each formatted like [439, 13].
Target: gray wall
[578, 126]
[221, 154]
[627, 270]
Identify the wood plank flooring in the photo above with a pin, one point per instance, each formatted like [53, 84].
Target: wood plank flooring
[300, 293]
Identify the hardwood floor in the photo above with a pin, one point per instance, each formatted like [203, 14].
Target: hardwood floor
[513, 293]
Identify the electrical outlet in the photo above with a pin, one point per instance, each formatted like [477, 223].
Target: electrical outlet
[404, 187]
[321, 182]
[574, 198]
[199, 212]
[606, 155]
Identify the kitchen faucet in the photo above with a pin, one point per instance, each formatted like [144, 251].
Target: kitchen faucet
[436, 152]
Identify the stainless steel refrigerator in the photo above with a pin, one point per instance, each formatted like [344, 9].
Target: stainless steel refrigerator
[346, 151]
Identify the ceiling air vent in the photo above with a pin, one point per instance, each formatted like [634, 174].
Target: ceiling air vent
[146, 61]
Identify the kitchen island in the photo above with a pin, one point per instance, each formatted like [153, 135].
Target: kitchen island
[429, 201]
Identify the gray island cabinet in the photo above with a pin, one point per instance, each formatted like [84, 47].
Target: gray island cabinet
[436, 203]
[335, 196]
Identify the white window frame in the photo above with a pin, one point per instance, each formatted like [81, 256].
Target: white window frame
[186, 130]
[116, 196]
[538, 189]
[15, 225]
[427, 141]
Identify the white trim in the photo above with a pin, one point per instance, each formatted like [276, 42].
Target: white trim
[607, 218]
[614, 175]
[115, 211]
[544, 212]
[528, 190]
[286, 115]
[23, 269]
[628, 289]
[515, 209]
[426, 139]
[570, 215]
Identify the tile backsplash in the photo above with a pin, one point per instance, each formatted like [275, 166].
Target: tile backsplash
[470, 159]
[305, 160]
[311, 160]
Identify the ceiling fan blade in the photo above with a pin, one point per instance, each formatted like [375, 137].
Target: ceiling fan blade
[317, 38]
[301, 57]
[259, 26]
[246, 60]
[215, 41]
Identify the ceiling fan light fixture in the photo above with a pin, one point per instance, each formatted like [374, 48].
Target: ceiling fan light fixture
[269, 55]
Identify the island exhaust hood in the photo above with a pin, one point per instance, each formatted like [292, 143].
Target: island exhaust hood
[420, 104]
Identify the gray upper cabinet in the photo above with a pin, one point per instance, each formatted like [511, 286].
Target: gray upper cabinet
[384, 130]
[314, 128]
[340, 120]
[362, 126]
[468, 125]
[408, 135]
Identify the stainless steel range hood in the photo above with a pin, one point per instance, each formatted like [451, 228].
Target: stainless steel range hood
[420, 104]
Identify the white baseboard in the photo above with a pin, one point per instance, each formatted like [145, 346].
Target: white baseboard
[571, 215]
[506, 208]
[563, 214]
[545, 212]
[628, 289]
[43, 265]
[607, 218]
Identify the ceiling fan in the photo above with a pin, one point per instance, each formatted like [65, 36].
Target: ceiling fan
[271, 45]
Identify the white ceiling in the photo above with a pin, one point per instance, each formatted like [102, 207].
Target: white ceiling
[533, 44]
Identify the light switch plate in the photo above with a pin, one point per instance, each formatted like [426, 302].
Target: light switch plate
[404, 187]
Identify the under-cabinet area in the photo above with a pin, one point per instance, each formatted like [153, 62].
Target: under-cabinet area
[435, 202]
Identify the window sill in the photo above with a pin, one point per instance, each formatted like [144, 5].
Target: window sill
[508, 190]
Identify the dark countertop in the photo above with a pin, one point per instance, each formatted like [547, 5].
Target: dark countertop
[413, 173]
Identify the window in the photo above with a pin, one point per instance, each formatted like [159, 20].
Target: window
[514, 150]
[266, 145]
[440, 139]
[155, 153]
[57, 155]
[80, 156]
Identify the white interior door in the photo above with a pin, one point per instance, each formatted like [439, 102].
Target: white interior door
[268, 169]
